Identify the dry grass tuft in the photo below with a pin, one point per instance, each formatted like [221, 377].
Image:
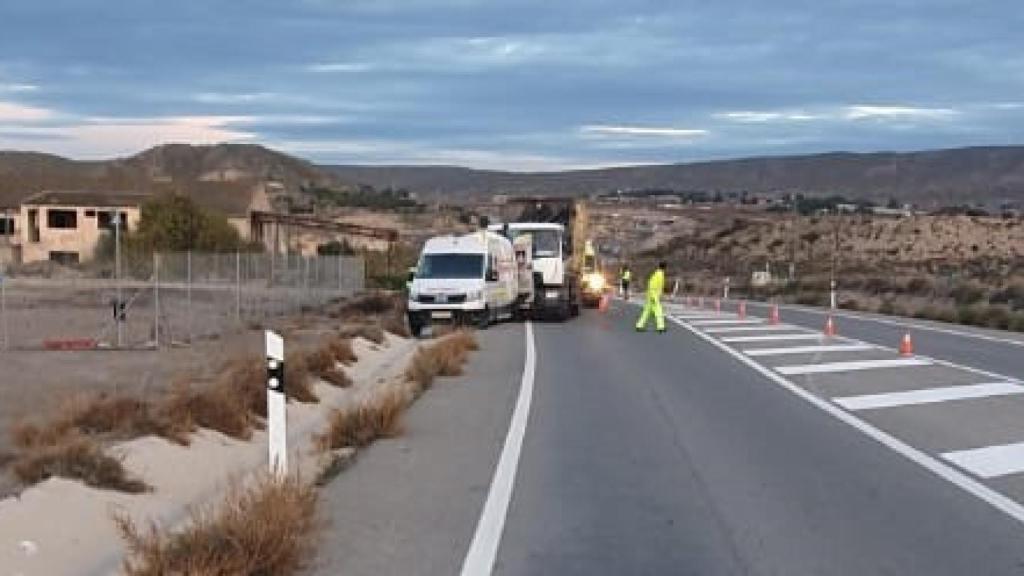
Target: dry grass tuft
[298, 385]
[396, 324]
[336, 377]
[265, 528]
[78, 458]
[341, 350]
[218, 407]
[442, 359]
[359, 425]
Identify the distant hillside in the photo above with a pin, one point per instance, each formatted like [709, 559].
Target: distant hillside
[991, 175]
[217, 175]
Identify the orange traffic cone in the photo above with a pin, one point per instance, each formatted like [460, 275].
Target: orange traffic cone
[773, 317]
[906, 345]
[830, 326]
[605, 302]
[742, 313]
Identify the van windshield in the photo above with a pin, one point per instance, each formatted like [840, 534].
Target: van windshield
[451, 266]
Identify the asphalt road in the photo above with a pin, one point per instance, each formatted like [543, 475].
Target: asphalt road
[706, 450]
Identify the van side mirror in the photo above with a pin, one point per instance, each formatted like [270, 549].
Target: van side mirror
[492, 275]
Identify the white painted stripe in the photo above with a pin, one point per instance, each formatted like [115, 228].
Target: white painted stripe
[698, 316]
[758, 328]
[990, 461]
[725, 322]
[483, 549]
[851, 366]
[928, 395]
[808, 349]
[933, 465]
[774, 337]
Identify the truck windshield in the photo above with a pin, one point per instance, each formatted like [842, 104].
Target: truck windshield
[451, 266]
[546, 243]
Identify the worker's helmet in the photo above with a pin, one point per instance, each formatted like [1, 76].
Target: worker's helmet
[662, 265]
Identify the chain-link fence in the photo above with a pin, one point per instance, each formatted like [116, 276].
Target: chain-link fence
[174, 299]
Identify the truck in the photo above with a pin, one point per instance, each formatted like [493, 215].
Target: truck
[557, 229]
[469, 279]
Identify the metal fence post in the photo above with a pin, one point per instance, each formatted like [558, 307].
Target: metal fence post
[156, 300]
[3, 309]
[188, 293]
[238, 286]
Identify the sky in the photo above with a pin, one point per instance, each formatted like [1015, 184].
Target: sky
[516, 85]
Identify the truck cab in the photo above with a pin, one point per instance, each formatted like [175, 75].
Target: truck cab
[554, 291]
[463, 279]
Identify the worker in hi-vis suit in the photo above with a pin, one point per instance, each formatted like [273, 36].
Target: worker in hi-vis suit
[652, 304]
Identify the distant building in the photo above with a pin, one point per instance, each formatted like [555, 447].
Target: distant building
[66, 227]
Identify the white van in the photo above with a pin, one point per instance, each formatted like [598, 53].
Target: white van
[463, 279]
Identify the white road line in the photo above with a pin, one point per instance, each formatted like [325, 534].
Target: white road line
[697, 316]
[905, 324]
[990, 461]
[483, 549]
[851, 366]
[808, 349]
[937, 467]
[758, 328]
[725, 322]
[774, 337]
[928, 395]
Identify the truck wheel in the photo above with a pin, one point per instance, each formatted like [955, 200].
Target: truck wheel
[484, 320]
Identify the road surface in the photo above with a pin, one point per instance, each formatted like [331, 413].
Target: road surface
[726, 446]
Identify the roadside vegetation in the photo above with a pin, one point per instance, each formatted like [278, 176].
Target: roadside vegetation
[269, 526]
[266, 527]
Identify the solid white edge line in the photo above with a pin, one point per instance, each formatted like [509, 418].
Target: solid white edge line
[928, 395]
[483, 550]
[944, 471]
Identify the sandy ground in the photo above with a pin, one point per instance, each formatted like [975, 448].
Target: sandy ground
[62, 527]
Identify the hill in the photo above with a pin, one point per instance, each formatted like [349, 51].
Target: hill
[216, 174]
[987, 175]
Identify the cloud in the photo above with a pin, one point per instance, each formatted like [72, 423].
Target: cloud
[14, 112]
[17, 88]
[644, 131]
[235, 98]
[869, 112]
[760, 117]
[336, 67]
[103, 137]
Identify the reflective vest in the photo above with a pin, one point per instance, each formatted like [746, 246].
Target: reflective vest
[656, 284]
[627, 275]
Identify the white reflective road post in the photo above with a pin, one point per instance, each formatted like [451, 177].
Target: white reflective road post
[832, 293]
[276, 423]
[725, 289]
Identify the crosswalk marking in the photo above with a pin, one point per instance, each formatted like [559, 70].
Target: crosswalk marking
[850, 366]
[990, 461]
[724, 322]
[808, 349]
[757, 328]
[772, 337]
[929, 395]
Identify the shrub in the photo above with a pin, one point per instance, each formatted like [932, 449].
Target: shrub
[445, 358]
[78, 458]
[850, 304]
[919, 286]
[216, 408]
[967, 293]
[265, 528]
[970, 315]
[357, 426]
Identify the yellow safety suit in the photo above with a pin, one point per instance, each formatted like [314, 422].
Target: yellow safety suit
[652, 305]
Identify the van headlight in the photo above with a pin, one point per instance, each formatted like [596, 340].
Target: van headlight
[474, 295]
